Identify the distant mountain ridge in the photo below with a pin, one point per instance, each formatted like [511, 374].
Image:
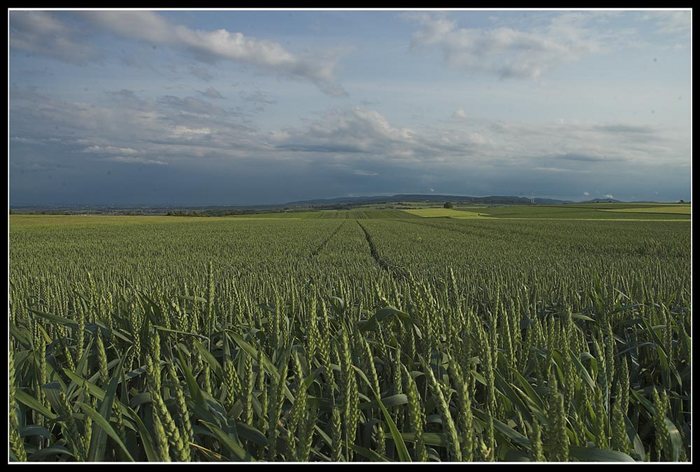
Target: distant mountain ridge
[494, 199]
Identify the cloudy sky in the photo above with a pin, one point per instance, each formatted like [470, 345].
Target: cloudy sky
[245, 107]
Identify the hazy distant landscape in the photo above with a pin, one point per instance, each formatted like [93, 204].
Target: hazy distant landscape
[349, 236]
[345, 203]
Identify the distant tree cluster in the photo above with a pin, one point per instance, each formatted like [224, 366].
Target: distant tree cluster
[448, 205]
[184, 213]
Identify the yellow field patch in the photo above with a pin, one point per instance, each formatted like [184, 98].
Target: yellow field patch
[676, 210]
[443, 213]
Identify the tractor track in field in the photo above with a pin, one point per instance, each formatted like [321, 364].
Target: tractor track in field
[381, 262]
[320, 247]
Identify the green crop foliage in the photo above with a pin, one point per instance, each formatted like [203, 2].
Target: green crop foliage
[349, 335]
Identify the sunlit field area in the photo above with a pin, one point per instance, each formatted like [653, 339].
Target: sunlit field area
[670, 209]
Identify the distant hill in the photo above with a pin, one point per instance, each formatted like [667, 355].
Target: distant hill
[603, 200]
[493, 200]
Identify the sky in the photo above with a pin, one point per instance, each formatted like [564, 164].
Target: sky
[234, 107]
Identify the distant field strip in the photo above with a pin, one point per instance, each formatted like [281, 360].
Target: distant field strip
[676, 210]
[443, 213]
[77, 220]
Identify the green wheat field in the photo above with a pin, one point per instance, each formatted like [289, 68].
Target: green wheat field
[510, 333]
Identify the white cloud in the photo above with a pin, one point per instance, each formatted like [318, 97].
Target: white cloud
[362, 139]
[586, 194]
[42, 33]
[137, 160]
[609, 195]
[185, 132]
[220, 44]
[97, 149]
[505, 51]
[671, 22]
[459, 114]
[561, 169]
[61, 36]
[140, 128]
[360, 133]
[357, 130]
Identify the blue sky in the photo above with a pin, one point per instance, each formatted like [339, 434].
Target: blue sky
[243, 107]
